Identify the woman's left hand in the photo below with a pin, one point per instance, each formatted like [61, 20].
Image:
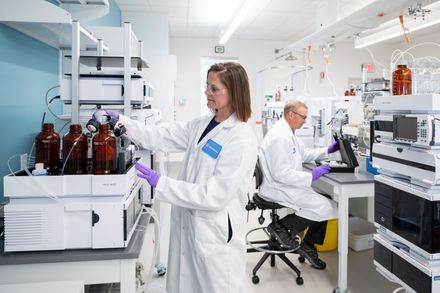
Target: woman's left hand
[148, 174]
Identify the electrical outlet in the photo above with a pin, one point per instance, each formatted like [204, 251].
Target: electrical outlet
[23, 161]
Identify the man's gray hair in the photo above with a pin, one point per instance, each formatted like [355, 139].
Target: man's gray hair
[294, 105]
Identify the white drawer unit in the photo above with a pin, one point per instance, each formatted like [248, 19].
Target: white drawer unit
[24, 186]
[421, 166]
[107, 89]
[34, 224]
[399, 267]
[428, 103]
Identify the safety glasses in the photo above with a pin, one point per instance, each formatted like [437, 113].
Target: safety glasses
[213, 90]
[302, 116]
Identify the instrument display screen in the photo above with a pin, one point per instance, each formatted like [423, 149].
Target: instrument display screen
[405, 128]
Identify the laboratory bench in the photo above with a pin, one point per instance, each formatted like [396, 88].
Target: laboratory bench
[90, 266]
[341, 187]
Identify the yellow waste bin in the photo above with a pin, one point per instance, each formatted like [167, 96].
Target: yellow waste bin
[331, 237]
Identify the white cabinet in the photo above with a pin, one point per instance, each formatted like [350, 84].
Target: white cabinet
[54, 26]
[47, 23]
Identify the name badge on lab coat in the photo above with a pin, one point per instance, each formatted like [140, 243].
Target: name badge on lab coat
[212, 149]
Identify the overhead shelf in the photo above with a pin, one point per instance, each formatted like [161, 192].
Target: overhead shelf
[84, 2]
[367, 17]
[46, 22]
[111, 61]
[294, 68]
[85, 10]
[117, 38]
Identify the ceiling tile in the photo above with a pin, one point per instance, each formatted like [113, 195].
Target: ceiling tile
[268, 21]
[180, 12]
[292, 6]
[159, 8]
[256, 34]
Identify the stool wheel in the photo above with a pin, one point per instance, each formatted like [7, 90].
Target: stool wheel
[301, 259]
[255, 279]
[299, 280]
[161, 269]
[261, 220]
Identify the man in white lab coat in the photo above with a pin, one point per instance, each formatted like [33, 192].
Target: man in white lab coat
[281, 157]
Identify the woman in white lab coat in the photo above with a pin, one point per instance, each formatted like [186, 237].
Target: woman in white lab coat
[207, 246]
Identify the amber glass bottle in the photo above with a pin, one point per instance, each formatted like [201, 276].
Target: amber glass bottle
[402, 81]
[47, 149]
[104, 152]
[75, 151]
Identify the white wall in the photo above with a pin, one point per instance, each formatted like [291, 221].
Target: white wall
[256, 55]
[344, 63]
[152, 29]
[253, 55]
[417, 40]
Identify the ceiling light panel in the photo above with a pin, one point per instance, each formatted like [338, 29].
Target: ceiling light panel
[291, 6]
[256, 10]
[255, 19]
[212, 11]
[267, 21]
[392, 29]
[255, 35]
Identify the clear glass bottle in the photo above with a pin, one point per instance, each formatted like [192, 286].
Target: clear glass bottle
[104, 152]
[402, 80]
[75, 151]
[278, 95]
[47, 149]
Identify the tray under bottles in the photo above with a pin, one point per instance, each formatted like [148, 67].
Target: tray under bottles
[22, 185]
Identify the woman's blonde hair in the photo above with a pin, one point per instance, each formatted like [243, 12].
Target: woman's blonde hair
[233, 76]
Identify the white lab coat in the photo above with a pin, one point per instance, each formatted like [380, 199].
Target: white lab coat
[284, 181]
[207, 192]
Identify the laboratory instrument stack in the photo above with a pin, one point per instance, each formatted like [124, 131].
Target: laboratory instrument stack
[407, 192]
[272, 112]
[328, 115]
[90, 196]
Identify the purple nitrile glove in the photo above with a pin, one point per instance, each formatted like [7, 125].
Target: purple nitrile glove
[99, 113]
[148, 174]
[319, 171]
[333, 147]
